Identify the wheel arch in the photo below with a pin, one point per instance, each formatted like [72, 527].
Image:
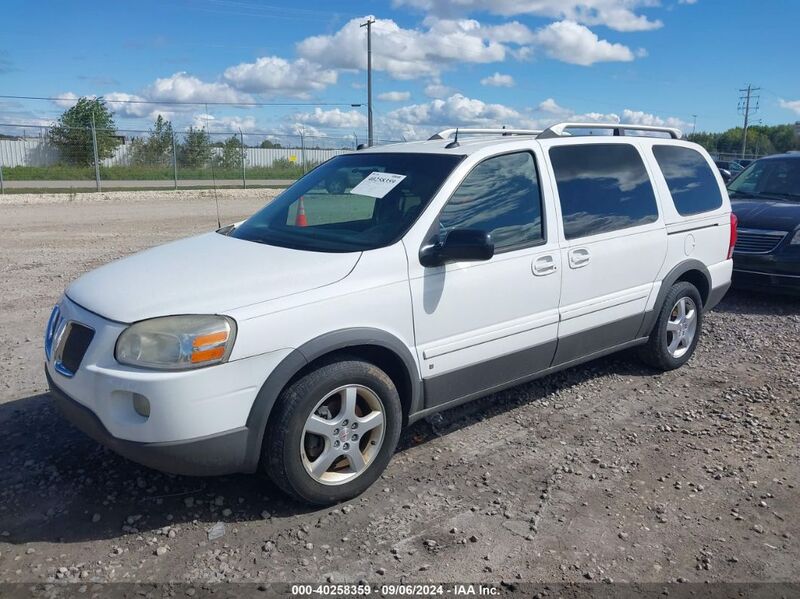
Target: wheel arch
[691, 271]
[372, 345]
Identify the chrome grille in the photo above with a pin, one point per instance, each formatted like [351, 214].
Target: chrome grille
[757, 241]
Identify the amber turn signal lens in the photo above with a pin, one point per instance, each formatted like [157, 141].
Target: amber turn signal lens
[209, 347]
[210, 339]
[208, 354]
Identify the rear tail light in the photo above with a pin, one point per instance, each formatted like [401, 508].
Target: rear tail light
[732, 242]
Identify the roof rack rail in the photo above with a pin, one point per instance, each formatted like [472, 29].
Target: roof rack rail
[445, 133]
[558, 130]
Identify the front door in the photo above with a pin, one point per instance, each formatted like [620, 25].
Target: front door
[481, 325]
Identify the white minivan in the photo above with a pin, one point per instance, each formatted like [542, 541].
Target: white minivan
[388, 284]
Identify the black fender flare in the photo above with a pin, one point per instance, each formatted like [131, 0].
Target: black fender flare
[307, 353]
[666, 283]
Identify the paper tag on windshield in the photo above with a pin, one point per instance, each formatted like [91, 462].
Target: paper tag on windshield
[377, 184]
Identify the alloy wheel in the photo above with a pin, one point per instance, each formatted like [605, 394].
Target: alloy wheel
[681, 327]
[343, 434]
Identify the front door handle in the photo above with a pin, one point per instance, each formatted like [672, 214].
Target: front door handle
[544, 265]
[579, 257]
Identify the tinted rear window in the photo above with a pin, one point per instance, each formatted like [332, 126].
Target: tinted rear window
[602, 187]
[690, 180]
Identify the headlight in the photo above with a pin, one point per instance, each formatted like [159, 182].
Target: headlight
[796, 239]
[177, 342]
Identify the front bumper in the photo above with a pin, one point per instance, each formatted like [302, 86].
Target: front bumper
[779, 271]
[198, 419]
[222, 453]
[766, 281]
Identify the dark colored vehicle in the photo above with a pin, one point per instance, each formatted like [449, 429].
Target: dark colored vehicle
[729, 169]
[766, 199]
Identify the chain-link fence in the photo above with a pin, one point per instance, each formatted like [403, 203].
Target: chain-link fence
[68, 158]
[736, 156]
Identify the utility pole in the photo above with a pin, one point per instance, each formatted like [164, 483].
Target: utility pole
[694, 123]
[748, 102]
[368, 25]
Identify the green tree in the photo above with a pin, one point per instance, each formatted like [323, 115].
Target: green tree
[761, 140]
[231, 156]
[196, 148]
[72, 134]
[156, 149]
[268, 145]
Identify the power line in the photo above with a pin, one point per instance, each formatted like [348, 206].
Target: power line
[748, 102]
[177, 102]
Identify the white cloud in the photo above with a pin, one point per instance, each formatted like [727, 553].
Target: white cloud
[420, 120]
[296, 128]
[394, 96]
[436, 89]
[573, 43]
[135, 106]
[67, 100]
[182, 87]
[638, 117]
[160, 97]
[273, 75]
[550, 106]
[410, 53]
[498, 80]
[335, 118]
[793, 105]
[621, 15]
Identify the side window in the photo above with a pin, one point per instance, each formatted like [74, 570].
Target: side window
[500, 196]
[602, 187]
[691, 182]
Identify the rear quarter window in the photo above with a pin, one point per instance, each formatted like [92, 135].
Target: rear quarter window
[602, 188]
[691, 181]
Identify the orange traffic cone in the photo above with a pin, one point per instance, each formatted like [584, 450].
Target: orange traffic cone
[300, 219]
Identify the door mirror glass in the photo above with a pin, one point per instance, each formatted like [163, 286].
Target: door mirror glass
[460, 245]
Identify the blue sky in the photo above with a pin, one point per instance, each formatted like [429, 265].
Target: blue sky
[437, 62]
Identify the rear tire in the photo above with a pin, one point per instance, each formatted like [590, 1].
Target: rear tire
[333, 432]
[677, 330]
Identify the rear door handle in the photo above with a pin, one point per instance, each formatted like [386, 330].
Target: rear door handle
[544, 265]
[579, 257]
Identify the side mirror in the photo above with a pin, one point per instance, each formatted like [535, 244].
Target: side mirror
[460, 245]
[726, 175]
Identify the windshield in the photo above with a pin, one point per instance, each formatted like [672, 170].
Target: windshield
[773, 177]
[351, 203]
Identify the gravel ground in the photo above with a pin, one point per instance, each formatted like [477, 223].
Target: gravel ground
[606, 472]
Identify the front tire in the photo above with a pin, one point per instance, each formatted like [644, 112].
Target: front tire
[333, 432]
[677, 330]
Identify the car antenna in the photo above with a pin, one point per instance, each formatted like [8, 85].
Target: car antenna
[454, 143]
[213, 176]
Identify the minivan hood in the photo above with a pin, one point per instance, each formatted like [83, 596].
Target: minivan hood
[761, 213]
[206, 274]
